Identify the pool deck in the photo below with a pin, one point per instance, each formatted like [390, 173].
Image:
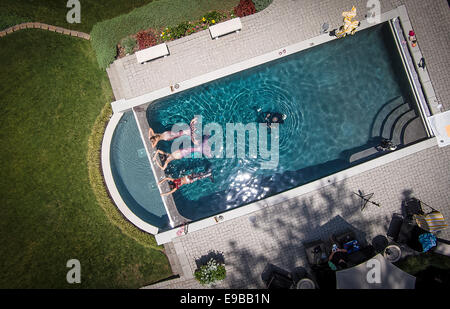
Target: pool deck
[275, 234]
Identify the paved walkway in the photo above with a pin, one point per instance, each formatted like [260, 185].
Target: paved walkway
[38, 25]
[283, 23]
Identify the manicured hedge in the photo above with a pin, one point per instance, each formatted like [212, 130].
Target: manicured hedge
[261, 4]
[162, 13]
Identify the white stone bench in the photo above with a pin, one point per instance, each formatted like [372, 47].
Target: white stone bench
[151, 53]
[232, 25]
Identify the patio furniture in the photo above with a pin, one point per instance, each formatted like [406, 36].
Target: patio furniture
[409, 235]
[390, 276]
[395, 227]
[418, 222]
[276, 278]
[305, 284]
[442, 247]
[440, 123]
[316, 252]
[232, 25]
[392, 253]
[432, 222]
[151, 53]
[380, 243]
[365, 252]
[412, 207]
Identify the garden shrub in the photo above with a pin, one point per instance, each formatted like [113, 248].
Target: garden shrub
[245, 8]
[261, 4]
[212, 272]
[129, 43]
[179, 31]
[145, 39]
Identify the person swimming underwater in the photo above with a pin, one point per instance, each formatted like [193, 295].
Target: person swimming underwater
[175, 184]
[272, 117]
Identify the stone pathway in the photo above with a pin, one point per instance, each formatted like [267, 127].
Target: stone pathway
[38, 25]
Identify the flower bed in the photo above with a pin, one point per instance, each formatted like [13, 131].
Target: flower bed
[150, 37]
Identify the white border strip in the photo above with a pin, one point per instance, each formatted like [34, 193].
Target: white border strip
[168, 236]
[126, 104]
[109, 180]
[416, 88]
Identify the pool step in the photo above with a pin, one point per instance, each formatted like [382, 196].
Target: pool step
[413, 131]
[397, 132]
[390, 121]
[386, 109]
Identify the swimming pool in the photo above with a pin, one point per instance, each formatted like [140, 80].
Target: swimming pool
[339, 98]
[133, 175]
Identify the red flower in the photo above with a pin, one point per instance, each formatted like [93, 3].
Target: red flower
[245, 8]
[145, 39]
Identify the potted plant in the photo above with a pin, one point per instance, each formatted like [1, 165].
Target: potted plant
[210, 273]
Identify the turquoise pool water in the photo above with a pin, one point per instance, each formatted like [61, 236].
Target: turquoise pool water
[332, 95]
[133, 175]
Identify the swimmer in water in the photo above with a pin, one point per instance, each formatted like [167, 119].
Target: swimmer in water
[270, 118]
[170, 135]
[175, 184]
[181, 153]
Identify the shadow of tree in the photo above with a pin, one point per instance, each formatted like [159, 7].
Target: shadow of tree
[308, 219]
[216, 255]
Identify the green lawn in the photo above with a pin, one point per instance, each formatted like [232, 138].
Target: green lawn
[51, 92]
[54, 12]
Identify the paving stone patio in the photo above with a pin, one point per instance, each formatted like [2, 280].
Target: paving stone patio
[276, 233]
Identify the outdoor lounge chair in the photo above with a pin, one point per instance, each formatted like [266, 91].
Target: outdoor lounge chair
[431, 221]
[406, 231]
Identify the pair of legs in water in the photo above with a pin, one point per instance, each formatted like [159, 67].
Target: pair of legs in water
[175, 184]
[170, 135]
[178, 154]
